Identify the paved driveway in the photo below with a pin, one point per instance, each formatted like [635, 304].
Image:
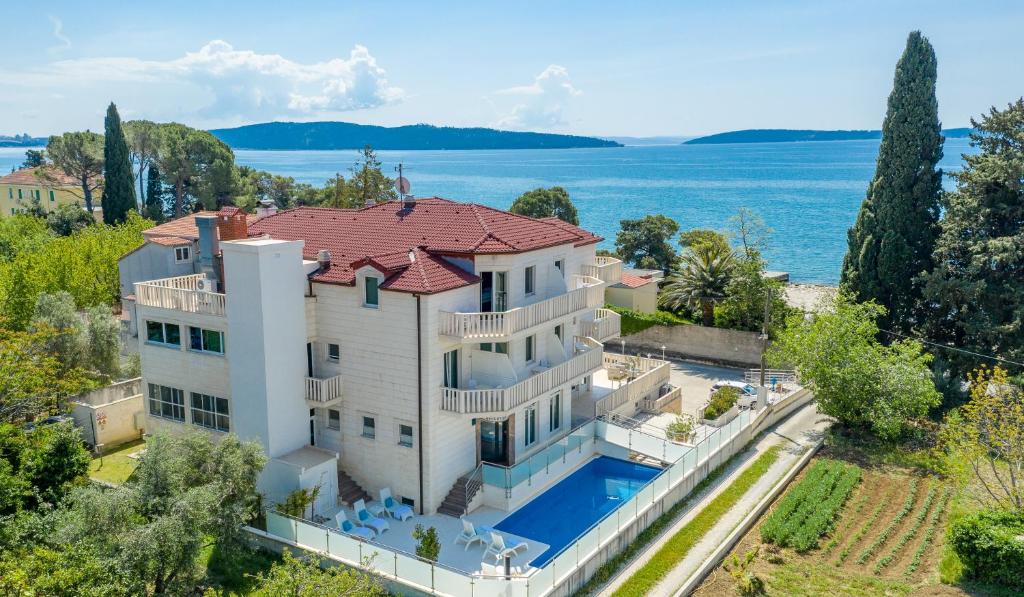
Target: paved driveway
[696, 381]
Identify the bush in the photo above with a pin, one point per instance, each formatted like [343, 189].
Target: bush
[991, 547]
[721, 402]
[681, 430]
[636, 321]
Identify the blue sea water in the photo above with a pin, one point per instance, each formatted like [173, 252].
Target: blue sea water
[567, 509]
[809, 193]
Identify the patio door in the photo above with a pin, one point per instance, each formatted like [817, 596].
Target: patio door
[494, 442]
[493, 291]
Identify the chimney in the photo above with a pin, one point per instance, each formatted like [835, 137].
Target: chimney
[232, 225]
[208, 245]
[323, 258]
[267, 208]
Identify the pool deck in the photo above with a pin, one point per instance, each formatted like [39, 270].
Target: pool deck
[471, 560]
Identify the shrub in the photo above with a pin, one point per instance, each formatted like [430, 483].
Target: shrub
[428, 546]
[681, 430]
[637, 321]
[991, 547]
[721, 402]
[747, 583]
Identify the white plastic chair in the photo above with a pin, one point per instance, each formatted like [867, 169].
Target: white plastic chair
[499, 549]
[397, 510]
[469, 534]
[364, 518]
[345, 526]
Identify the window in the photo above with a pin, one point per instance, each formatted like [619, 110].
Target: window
[206, 340]
[210, 412]
[163, 333]
[369, 427]
[51, 197]
[37, 195]
[530, 431]
[182, 254]
[405, 435]
[530, 346]
[451, 369]
[558, 332]
[560, 265]
[555, 412]
[372, 298]
[409, 502]
[333, 353]
[167, 403]
[531, 272]
[19, 194]
[333, 419]
[498, 347]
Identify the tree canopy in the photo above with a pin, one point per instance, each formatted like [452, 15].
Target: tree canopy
[546, 203]
[891, 242]
[34, 158]
[80, 156]
[704, 274]
[197, 167]
[645, 242]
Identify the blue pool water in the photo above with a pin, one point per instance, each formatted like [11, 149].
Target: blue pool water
[563, 512]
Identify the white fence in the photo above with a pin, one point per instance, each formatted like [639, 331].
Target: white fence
[322, 391]
[608, 269]
[651, 374]
[606, 324]
[180, 294]
[587, 293]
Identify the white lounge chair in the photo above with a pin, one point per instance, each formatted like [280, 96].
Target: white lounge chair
[364, 518]
[345, 526]
[469, 534]
[499, 548]
[397, 510]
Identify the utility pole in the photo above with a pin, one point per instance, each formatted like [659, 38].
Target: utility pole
[764, 332]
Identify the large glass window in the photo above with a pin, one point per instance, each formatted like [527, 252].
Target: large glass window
[372, 298]
[405, 435]
[498, 347]
[531, 279]
[182, 254]
[333, 419]
[206, 340]
[163, 333]
[210, 412]
[333, 353]
[530, 426]
[167, 403]
[555, 412]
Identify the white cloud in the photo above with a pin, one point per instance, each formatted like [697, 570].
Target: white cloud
[218, 83]
[543, 104]
[58, 33]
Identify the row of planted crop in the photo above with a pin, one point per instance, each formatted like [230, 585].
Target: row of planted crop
[929, 533]
[810, 509]
[908, 505]
[911, 532]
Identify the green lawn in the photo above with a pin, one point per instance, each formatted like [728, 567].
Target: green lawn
[676, 548]
[234, 573]
[115, 466]
[635, 321]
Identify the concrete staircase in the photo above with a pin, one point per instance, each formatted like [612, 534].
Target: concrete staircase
[462, 493]
[349, 492]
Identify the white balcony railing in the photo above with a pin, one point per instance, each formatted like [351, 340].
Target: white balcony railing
[180, 294]
[587, 293]
[607, 269]
[323, 391]
[606, 324]
[647, 374]
[588, 358]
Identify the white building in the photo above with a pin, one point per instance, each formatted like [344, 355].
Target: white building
[398, 346]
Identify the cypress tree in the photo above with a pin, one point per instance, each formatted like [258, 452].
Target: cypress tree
[118, 180]
[154, 194]
[891, 243]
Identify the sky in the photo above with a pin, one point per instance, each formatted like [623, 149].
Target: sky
[595, 68]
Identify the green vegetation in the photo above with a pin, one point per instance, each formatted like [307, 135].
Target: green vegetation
[645, 242]
[800, 579]
[869, 523]
[38, 466]
[919, 518]
[118, 179]
[636, 321]
[705, 271]
[428, 546]
[809, 509]
[891, 243]
[33, 382]
[929, 532]
[677, 546]
[78, 155]
[721, 401]
[681, 429]
[908, 505]
[304, 577]
[988, 545]
[546, 203]
[116, 466]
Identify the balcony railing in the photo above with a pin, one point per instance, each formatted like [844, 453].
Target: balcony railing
[647, 374]
[587, 359]
[607, 269]
[323, 391]
[180, 294]
[606, 324]
[587, 293]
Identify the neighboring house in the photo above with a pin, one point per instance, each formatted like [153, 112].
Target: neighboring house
[111, 415]
[399, 345]
[20, 189]
[637, 290]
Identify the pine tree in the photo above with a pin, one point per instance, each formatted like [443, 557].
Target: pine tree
[891, 243]
[976, 290]
[118, 179]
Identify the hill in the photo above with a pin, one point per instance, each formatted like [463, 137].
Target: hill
[789, 135]
[21, 141]
[346, 135]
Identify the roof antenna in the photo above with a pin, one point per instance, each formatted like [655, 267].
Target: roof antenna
[403, 187]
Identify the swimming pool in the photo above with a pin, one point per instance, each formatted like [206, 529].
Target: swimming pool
[567, 509]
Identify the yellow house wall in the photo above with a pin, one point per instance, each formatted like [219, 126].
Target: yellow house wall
[61, 196]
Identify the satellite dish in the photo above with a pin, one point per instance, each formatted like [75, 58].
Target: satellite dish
[402, 185]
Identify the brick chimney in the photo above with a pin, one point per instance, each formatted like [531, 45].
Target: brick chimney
[231, 224]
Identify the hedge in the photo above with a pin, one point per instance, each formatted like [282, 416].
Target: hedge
[990, 544]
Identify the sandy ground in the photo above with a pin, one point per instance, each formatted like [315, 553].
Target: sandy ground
[807, 296]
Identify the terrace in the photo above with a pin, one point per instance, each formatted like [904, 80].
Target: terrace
[192, 294]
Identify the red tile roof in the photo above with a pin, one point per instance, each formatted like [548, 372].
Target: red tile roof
[185, 226]
[631, 281]
[40, 176]
[170, 241]
[586, 237]
[383, 235]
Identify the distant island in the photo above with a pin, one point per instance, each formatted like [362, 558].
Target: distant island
[21, 141]
[346, 135]
[643, 141]
[789, 135]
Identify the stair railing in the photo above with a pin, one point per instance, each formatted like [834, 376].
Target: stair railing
[473, 483]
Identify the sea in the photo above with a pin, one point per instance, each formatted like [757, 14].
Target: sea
[807, 193]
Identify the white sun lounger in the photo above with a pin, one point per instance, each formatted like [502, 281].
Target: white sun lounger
[364, 518]
[345, 526]
[469, 534]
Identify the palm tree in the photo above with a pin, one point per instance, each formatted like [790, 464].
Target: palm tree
[705, 272]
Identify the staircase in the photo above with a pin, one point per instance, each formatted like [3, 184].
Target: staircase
[349, 492]
[462, 493]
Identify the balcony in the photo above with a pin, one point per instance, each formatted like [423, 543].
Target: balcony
[587, 293]
[605, 325]
[640, 377]
[181, 293]
[606, 269]
[588, 358]
[323, 392]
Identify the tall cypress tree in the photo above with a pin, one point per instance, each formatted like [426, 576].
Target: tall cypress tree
[118, 180]
[154, 194]
[891, 243]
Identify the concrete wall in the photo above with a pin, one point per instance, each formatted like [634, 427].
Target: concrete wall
[152, 261]
[643, 299]
[730, 347]
[108, 416]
